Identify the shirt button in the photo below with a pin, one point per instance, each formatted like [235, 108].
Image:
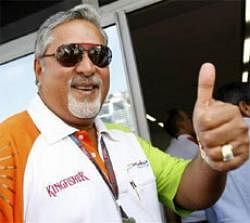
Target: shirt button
[81, 137]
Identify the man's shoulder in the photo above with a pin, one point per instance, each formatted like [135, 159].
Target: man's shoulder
[119, 127]
[125, 132]
[20, 122]
[15, 120]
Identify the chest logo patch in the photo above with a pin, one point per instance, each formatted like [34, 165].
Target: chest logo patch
[138, 164]
[63, 184]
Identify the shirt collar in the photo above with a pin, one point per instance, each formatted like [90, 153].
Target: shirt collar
[53, 128]
[103, 130]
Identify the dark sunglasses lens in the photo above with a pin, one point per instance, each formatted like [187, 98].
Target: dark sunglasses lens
[100, 55]
[69, 55]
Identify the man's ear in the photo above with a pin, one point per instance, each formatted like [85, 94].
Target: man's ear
[244, 108]
[38, 69]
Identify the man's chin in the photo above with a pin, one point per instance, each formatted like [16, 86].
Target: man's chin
[87, 113]
[86, 109]
[84, 117]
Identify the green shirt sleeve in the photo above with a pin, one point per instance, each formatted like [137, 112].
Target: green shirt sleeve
[168, 171]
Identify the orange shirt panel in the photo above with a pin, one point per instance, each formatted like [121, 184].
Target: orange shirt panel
[17, 135]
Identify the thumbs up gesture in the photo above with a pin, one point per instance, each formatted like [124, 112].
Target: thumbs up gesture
[220, 128]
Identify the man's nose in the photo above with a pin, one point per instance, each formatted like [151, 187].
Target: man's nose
[85, 66]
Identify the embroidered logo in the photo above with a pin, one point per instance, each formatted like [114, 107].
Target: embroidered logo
[138, 164]
[53, 189]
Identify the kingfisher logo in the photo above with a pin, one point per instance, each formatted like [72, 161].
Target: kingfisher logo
[53, 189]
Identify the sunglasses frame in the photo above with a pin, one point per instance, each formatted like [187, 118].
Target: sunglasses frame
[100, 62]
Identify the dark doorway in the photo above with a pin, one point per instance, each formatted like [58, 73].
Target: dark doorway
[172, 39]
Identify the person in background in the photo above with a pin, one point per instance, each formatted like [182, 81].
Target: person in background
[179, 126]
[183, 144]
[234, 204]
[61, 163]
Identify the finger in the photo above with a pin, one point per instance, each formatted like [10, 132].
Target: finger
[223, 166]
[220, 114]
[215, 154]
[206, 83]
[224, 134]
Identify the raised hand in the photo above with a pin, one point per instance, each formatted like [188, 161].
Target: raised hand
[218, 124]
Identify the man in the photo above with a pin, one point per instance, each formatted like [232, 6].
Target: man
[179, 126]
[234, 204]
[62, 164]
[183, 144]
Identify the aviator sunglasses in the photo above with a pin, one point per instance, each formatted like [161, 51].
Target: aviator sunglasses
[68, 55]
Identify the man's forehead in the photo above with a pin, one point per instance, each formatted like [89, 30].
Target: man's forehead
[76, 32]
[85, 26]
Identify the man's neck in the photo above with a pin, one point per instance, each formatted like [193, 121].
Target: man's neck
[87, 125]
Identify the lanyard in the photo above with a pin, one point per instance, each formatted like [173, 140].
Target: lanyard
[110, 180]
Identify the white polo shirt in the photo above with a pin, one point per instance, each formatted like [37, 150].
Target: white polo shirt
[61, 184]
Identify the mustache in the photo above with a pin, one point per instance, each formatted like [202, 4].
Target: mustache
[91, 80]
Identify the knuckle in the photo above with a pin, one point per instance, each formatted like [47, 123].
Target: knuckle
[235, 108]
[245, 128]
[246, 143]
[211, 153]
[205, 120]
[243, 125]
[244, 154]
[207, 140]
[245, 157]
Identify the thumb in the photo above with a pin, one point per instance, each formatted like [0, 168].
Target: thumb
[206, 84]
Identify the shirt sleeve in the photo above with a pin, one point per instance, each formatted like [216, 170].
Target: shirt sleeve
[168, 171]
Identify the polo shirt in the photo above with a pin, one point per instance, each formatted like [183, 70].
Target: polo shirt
[56, 182]
[183, 147]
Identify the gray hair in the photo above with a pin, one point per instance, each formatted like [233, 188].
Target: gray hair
[84, 12]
